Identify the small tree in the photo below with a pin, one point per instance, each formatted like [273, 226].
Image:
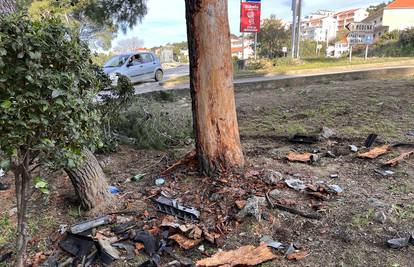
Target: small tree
[47, 85]
[273, 37]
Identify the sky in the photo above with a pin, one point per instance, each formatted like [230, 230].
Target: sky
[165, 21]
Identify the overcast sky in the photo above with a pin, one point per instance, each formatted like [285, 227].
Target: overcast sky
[165, 21]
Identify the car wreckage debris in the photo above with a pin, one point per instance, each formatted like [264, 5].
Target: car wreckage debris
[370, 140]
[375, 152]
[401, 242]
[87, 225]
[172, 207]
[304, 139]
[394, 162]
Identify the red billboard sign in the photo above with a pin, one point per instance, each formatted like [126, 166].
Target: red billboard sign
[250, 17]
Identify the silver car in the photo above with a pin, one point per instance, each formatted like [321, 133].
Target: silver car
[136, 66]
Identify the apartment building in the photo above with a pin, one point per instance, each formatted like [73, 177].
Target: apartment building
[348, 16]
[398, 15]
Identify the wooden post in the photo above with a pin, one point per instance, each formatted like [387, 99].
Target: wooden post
[366, 52]
[211, 82]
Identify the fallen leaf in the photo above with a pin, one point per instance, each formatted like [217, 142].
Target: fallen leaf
[375, 152]
[402, 157]
[243, 256]
[185, 242]
[300, 255]
[196, 233]
[297, 157]
[210, 237]
[170, 221]
[240, 204]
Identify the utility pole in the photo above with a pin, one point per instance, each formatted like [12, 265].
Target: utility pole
[294, 9]
[255, 46]
[299, 13]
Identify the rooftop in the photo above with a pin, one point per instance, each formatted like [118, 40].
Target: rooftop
[401, 4]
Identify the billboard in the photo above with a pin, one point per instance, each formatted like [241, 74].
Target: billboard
[250, 16]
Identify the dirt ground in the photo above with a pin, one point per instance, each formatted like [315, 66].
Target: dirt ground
[354, 225]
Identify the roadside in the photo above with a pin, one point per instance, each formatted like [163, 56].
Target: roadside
[287, 68]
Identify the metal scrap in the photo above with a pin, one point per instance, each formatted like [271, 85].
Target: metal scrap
[370, 140]
[375, 152]
[172, 207]
[87, 225]
[402, 157]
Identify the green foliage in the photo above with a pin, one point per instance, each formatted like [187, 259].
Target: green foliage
[97, 21]
[272, 38]
[42, 185]
[372, 9]
[395, 44]
[146, 122]
[101, 58]
[47, 87]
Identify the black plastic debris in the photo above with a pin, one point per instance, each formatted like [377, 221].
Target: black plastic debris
[172, 207]
[148, 240]
[107, 253]
[77, 245]
[384, 173]
[304, 139]
[401, 242]
[87, 225]
[370, 140]
[122, 228]
[128, 247]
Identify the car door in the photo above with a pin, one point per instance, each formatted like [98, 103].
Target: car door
[135, 70]
[149, 65]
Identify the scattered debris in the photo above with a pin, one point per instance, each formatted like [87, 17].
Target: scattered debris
[243, 256]
[108, 252]
[335, 189]
[186, 159]
[148, 240]
[327, 132]
[183, 261]
[268, 240]
[201, 248]
[296, 184]
[113, 189]
[299, 255]
[172, 207]
[129, 248]
[136, 178]
[253, 207]
[275, 194]
[77, 245]
[240, 204]
[292, 210]
[375, 152]
[159, 181]
[401, 242]
[304, 139]
[330, 154]
[272, 177]
[334, 176]
[370, 140]
[87, 225]
[402, 157]
[353, 148]
[305, 157]
[185, 242]
[385, 173]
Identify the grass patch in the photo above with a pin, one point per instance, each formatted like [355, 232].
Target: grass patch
[7, 230]
[360, 221]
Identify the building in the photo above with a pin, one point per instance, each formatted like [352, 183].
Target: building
[319, 29]
[237, 47]
[398, 15]
[348, 16]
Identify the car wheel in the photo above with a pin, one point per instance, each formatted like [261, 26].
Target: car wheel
[158, 75]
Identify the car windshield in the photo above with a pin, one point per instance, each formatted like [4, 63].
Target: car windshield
[116, 61]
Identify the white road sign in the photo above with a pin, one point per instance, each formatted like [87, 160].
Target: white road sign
[360, 27]
[355, 38]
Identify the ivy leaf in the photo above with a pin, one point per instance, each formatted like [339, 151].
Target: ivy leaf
[20, 55]
[6, 104]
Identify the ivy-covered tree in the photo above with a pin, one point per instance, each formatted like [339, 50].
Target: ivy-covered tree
[47, 116]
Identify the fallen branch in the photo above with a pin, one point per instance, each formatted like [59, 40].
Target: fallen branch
[187, 158]
[313, 216]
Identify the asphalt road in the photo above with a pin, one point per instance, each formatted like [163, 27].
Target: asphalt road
[151, 85]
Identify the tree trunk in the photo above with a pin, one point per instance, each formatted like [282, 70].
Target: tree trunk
[211, 82]
[89, 182]
[22, 184]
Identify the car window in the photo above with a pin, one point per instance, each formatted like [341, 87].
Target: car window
[147, 58]
[116, 61]
[137, 60]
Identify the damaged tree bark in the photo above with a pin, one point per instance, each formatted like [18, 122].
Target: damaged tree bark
[89, 182]
[211, 82]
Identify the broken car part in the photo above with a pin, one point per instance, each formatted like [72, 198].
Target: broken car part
[148, 240]
[87, 225]
[314, 216]
[172, 207]
[397, 160]
[304, 139]
[370, 140]
[375, 152]
[401, 242]
[384, 173]
[108, 253]
[77, 245]
[296, 184]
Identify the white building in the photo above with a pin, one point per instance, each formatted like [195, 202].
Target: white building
[398, 15]
[319, 29]
[237, 44]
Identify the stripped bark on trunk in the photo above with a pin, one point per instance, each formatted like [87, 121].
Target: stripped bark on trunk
[211, 81]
